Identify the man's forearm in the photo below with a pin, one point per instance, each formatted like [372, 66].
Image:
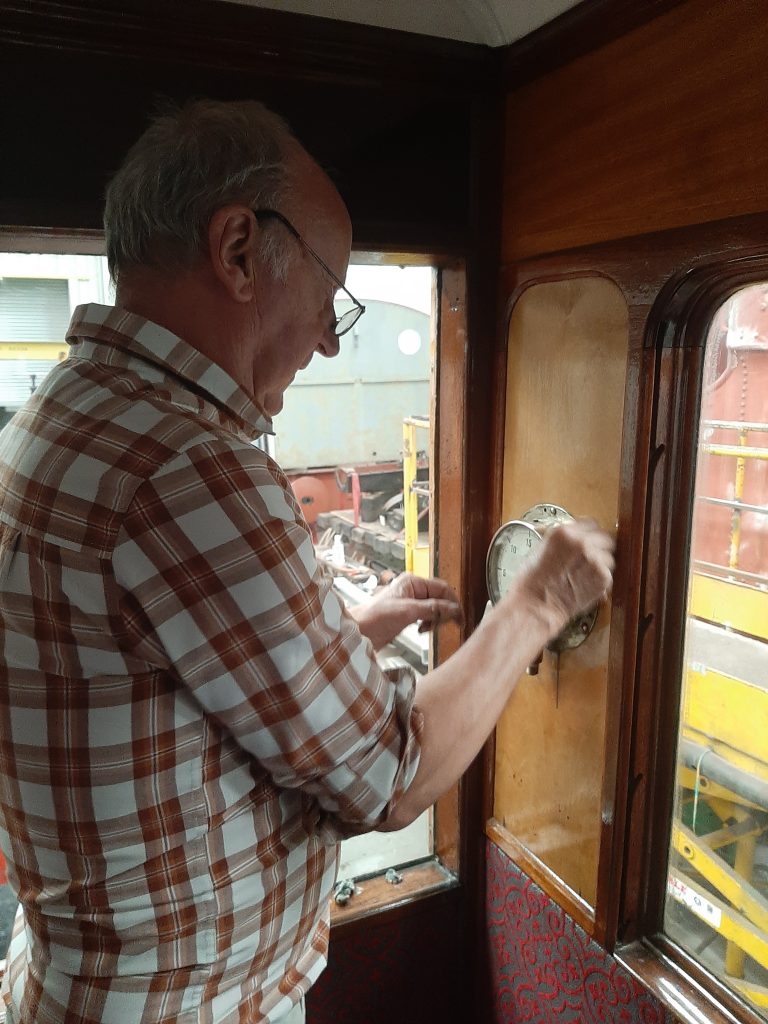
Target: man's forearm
[462, 699]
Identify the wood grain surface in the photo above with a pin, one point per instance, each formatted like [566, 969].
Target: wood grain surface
[567, 357]
[661, 128]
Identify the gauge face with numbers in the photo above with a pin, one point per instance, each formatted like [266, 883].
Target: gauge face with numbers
[512, 546]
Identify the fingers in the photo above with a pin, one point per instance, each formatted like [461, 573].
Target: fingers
[575, 569]
[433, 612]
[384, 617]
[419, 588]
[592, 552]
[434, 588]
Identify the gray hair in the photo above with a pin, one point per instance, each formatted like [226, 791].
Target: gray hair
[188, 163]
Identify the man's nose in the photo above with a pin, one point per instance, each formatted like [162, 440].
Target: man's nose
[329, 345]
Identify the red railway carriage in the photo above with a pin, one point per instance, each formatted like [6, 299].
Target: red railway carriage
[731, 516]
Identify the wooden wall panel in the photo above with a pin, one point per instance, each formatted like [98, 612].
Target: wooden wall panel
[662, 128]
[405, 967]
[390, 115]
[566, 370]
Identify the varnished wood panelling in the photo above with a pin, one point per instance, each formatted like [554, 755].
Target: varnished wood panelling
[448, 417]
[404, 966]
[566, 369]
[579, 30]
[388, 114]
[664, 127]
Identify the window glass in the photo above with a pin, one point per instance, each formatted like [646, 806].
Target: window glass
[354, 439]
[38, 294]
[717, 886]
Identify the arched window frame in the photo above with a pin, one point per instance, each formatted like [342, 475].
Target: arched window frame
[675, 341]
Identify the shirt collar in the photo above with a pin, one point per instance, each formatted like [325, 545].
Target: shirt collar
[136, 337]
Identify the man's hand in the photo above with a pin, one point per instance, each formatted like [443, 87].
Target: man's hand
[573, 572]
[405, 600]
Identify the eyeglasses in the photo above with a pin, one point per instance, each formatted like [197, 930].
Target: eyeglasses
[347, 320]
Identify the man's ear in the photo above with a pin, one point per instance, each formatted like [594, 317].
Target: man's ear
[231, 243]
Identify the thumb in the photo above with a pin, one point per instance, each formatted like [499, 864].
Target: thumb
[435, 610]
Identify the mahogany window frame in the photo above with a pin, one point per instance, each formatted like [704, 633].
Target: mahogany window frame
[451, 864]
[676, 336]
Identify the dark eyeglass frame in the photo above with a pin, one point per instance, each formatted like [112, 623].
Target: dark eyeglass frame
[347, 320]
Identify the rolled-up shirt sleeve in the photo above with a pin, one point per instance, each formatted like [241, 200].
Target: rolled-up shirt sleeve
[219, 586]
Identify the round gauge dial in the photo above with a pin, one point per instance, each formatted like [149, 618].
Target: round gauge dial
[512, 546]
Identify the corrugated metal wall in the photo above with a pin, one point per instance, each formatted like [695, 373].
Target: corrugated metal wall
[32, 310]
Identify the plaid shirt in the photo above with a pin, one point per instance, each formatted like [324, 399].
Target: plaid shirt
[189, 721]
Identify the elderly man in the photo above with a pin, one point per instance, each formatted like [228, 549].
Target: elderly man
[190, 721]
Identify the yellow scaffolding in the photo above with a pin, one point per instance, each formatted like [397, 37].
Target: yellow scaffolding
[724, 752]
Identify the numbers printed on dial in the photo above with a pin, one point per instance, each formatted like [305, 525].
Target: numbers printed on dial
[510, 549]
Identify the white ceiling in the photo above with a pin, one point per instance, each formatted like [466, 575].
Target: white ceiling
[492, 22]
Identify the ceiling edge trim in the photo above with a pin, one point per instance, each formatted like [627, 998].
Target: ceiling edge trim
[252, 40]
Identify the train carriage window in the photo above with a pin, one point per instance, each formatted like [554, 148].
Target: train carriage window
[356, 437]
[38, 293]
[716, 905]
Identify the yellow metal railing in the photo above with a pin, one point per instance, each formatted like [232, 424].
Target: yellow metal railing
[729, 603]
[51, 350]
[741, 452]
[416, 552]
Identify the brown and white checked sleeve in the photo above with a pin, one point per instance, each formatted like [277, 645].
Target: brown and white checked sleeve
[216, 568]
